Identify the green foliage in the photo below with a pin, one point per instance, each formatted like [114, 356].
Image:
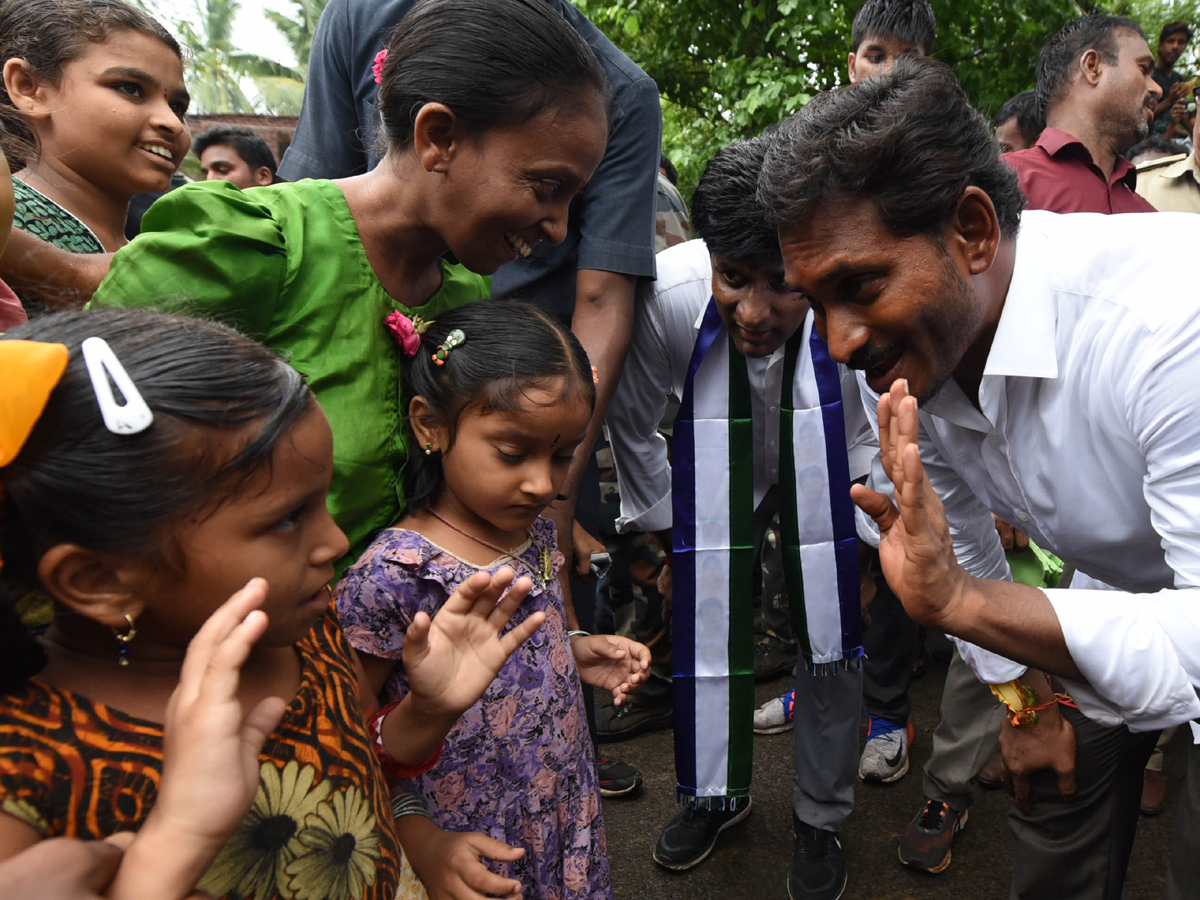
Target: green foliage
[728, 69]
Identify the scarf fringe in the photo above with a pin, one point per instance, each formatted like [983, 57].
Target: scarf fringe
[720, 804]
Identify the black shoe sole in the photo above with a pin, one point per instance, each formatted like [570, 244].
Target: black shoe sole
[692, 863]
[837, 896]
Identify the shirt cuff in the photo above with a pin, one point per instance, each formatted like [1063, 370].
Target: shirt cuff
[657, 518]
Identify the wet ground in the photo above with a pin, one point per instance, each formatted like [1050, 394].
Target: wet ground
[751, 860]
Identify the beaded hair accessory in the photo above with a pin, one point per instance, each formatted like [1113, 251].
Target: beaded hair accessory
[456, 338]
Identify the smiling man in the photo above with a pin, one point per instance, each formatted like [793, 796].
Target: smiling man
[1095, 83]
[1061, 398]
[760, 429]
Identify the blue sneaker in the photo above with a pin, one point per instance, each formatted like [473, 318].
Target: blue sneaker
[885, 756]
[776, 715]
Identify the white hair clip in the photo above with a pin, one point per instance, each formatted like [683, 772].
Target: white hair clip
[102, 364]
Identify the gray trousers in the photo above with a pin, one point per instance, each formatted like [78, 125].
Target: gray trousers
[1183, 867]
[825, 742]
[967, 736]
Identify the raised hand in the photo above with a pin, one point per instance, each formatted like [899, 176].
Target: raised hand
[612, 662]
[451, 659]
[916, 551]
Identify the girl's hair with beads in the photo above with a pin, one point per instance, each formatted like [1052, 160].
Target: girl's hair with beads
[509, 347]
[220, 402]
[48, 34]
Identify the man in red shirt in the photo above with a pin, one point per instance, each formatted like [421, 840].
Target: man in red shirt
[1095, 81]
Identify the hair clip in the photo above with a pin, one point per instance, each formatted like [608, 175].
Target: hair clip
[378, 64]
[454, 339]
[102, 364]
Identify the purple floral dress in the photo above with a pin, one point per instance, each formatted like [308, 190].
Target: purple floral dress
[519, 765]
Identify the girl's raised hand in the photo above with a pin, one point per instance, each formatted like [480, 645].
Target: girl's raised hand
[210, 756]
[612, 662]
[451, 659]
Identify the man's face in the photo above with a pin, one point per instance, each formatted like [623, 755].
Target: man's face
[1009, 136]
[755, 304]
[1129, 91]
[893, 307]
[221, 163]
[1172, 48]
[876, 56]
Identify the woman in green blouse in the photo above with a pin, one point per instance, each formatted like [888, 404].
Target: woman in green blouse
[495, 115]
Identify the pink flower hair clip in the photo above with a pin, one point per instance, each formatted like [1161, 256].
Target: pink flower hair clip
[377, 66]
[407, 332]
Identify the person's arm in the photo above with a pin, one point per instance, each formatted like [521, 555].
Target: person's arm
[451, 864]
[54, 277]
[1169, 98]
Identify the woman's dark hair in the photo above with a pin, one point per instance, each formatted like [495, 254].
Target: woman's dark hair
[493, 62]
[1058, 60]
[509, 348]
[909, 141]
[48, 34]
[910, 21]
[76, 482]
[726, 212]
[1023, 107]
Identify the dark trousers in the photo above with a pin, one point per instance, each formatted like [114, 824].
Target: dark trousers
[1183, 868]
[890, 642]
[1080, 848]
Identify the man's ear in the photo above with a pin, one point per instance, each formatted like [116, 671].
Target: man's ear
[25, 89]
[1091, 66]
[850, 65]
[97, 585]
[426, 427]
[436, 136]
[976, 230]
[262, 176]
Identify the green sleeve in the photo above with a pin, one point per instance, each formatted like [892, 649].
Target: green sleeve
[206, 249]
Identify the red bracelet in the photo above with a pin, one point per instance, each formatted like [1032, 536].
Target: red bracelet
[390, 764]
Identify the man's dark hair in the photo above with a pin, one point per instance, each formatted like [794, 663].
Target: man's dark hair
[1025, 109]
[1155, 142]
[1175, 28]
[1058, 61]
[248, 145]
[909, 141]
[725, 208]
[910, 21]
[669, 169]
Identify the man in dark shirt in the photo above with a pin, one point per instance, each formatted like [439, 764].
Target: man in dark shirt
[1095, 82]
[1172, 41]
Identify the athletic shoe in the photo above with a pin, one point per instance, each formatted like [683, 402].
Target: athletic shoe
[617, 779]
[691, 835]
[926, 841]
[776, 715]
[818, 867]
[630, 719]
[885, 757]
[770, 662]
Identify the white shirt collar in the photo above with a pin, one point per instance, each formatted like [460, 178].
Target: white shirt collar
[1025, 344]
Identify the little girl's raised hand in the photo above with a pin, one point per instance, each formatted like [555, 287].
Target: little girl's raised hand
[611, 662]
[452, 659]
[210, 756]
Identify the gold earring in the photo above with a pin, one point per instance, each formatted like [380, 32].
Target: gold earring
[124, 640]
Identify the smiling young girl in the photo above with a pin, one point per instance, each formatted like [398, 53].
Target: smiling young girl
[93, 103]
[139, 516]
[499, 396]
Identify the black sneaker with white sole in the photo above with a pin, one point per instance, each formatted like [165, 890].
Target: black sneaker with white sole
[617, 779]
[691, 835]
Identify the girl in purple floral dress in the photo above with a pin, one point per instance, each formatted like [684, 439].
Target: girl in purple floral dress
[516, 782]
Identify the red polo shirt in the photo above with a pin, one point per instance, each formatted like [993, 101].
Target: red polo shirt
[1058, 174]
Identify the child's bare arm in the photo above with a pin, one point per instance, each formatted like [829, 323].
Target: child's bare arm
[450, 864]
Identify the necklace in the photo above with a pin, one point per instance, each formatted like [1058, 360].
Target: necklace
[543, 556]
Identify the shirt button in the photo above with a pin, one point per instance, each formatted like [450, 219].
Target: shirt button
[772, 443]
[1023, 516]
[774, 409]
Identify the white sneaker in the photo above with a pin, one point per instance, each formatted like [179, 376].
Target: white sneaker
[775, 716]
[885, 757]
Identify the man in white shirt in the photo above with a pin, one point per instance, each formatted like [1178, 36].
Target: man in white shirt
[741, 270]
[1056, 391]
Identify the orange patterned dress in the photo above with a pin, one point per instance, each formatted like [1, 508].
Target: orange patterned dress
[319, 829]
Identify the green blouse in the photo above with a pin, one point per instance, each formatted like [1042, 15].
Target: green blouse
[285, 264]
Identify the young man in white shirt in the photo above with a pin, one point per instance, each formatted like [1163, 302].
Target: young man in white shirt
[1056, 392]
[736, 273]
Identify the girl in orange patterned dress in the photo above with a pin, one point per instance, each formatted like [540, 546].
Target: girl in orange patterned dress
[169, 462]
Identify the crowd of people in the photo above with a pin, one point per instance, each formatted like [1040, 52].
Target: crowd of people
[456, 369]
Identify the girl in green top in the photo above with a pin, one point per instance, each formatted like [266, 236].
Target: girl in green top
[494, 114]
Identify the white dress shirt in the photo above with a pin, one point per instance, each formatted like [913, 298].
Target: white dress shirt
[1088, 439]
[669, 313]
